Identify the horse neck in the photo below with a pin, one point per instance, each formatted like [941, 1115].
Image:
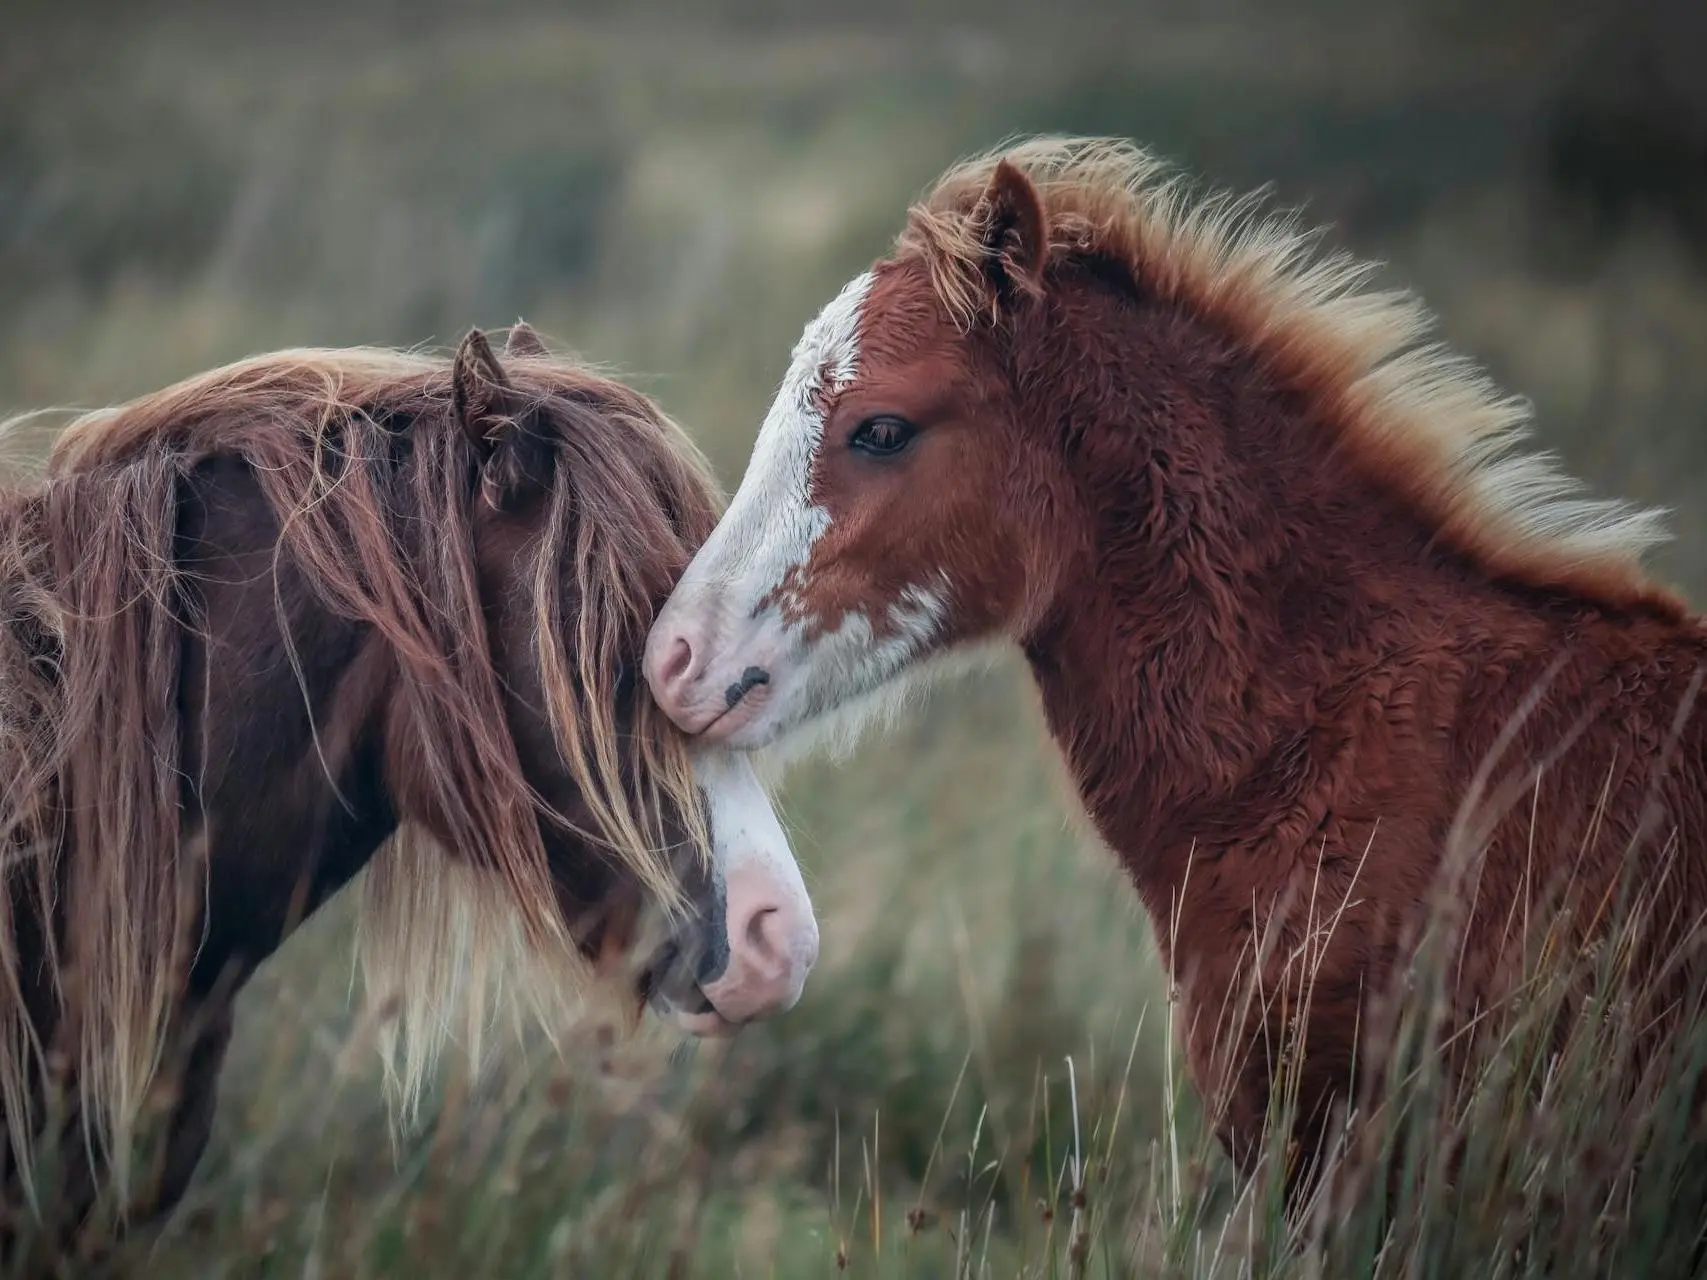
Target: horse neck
[290, 792]
[1232, 569]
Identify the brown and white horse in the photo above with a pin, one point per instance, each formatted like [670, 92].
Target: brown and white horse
[1288, 587]
[327, 610]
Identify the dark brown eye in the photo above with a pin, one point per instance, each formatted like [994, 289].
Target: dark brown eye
[882, 436]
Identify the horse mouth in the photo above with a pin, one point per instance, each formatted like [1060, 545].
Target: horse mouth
[666, 983]
[744, 702]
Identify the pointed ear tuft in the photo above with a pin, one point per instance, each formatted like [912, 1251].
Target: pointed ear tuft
[524, 341]
[1016, 233]
[516, 457]
[480, 391]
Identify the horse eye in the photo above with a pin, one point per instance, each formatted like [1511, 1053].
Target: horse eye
[882, 436]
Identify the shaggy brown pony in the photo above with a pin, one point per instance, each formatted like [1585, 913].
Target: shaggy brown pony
[1310, 628]
[322, 610]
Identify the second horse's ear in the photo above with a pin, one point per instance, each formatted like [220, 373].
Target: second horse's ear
[524, 341]
[1016, 235]
[501, 423]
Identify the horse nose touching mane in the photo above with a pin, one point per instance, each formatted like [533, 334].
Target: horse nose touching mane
[1333, 658]
[324, 611]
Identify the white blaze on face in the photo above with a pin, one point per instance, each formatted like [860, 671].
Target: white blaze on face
[771, 524]
[771, 931]
[714, 647]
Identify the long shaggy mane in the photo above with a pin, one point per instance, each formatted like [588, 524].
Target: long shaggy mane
[107, 874]
[1432, 424]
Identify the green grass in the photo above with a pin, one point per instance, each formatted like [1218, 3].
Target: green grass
[980, 1084]
[895, 1089]
[676, 198]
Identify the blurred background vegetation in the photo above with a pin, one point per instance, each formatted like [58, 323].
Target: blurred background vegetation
[673, 192]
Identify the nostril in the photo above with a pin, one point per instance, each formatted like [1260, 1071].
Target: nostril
[762, 943]
[771, 948]
[678, 663]
[756, 928]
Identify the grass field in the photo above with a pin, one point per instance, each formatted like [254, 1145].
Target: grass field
[979, 1079]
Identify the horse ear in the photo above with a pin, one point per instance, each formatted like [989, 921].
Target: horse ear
[480, 390]
[498, 422]
[1016, 233]
[523, 341]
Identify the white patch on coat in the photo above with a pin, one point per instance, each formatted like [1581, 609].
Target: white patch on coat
[856, 681]
[825, 689]
[745, 831]
[771, 524]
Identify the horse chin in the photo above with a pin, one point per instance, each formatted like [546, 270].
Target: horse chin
[710, 1025]
[695, 1015]
[665, 986]
[748, 725]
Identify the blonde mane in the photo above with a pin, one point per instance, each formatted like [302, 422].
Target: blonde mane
[1426, 418]
[89, 726]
